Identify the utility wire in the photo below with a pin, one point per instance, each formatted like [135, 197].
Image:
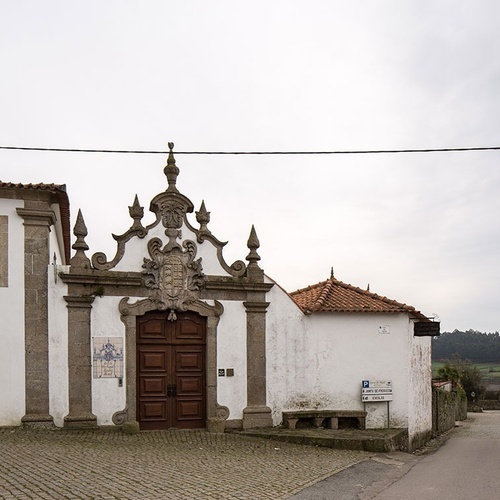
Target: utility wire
[337, 152]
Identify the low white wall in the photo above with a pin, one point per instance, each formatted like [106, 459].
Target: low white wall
[12, 364]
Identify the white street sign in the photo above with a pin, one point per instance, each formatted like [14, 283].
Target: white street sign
[366, 398]
[376, 383]
[381, 390]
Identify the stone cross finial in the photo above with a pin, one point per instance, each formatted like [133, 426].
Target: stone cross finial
[171, 170]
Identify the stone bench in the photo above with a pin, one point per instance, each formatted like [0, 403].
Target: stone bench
[323, 418]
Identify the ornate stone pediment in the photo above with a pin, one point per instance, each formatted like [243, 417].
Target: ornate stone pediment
[170, 208]
[172, 275]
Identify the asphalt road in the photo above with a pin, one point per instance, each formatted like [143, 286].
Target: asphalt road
[466, 466]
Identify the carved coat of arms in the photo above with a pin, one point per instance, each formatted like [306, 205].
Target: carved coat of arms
[172, 275]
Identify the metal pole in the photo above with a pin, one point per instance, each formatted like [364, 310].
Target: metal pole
[388, 416]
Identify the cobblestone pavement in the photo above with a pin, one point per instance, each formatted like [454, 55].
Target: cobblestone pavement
[480, 425]
[61, 464]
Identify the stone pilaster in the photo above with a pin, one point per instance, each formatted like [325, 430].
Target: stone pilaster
[79, 364]
[37, 224]
[256, 414]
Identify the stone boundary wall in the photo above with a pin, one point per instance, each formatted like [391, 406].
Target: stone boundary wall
[488, 404]
[447, 407]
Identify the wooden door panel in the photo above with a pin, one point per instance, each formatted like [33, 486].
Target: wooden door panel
[189, 410]
[153, 386]
[153, 361]
[189, 361]
[189, 386]
[190, 328]
[153, 410]
[152, 329]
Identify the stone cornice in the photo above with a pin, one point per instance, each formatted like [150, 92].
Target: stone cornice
[35, 217]
[226, 283]
[103, 278]
[256, 307]
[212, 283]
[238, 286]
[81, 301]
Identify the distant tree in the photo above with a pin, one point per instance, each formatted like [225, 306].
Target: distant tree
[477, 346]
[462, 373]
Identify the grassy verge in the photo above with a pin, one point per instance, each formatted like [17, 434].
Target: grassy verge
[488, 370]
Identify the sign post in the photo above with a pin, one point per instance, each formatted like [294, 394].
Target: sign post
[377, 391]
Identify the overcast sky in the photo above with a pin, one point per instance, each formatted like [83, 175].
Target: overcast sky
[274, 75]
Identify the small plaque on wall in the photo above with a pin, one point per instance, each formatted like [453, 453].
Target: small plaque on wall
[108, 357]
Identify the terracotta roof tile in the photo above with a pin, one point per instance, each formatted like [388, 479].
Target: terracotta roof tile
[59, 191]
[333, 295]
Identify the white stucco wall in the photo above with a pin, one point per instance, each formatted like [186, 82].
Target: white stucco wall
[136, 250]
[58, 324]
[287, 352]
[56, 238]
[232, 353]
[58, 344]
[320, 360]
[107, 396]
[12, 401]
[347, 349]
[420, 383]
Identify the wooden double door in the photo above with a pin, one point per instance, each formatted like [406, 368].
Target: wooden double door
[171, 388]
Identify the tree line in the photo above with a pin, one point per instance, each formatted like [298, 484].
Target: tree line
[478, 347]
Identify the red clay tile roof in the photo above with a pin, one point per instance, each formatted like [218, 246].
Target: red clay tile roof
[59, 191]
[334, 296]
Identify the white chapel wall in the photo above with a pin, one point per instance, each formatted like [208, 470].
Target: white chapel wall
[286, 353]
[136, 250]
[108, 396]
[58, 344]
[56, 237]
[232, 353]
[12, 367]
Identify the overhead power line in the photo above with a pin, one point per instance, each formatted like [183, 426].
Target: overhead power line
[333, 152]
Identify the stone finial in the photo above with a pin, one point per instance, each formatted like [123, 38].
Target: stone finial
[253, 243]
[137, 213]
[331, 273]
[171, 170]
[254, 272]
[80, 231]
[203, 218]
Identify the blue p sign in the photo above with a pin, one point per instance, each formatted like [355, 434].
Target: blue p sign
[366, 383]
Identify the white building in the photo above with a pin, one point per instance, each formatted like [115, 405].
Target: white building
[166, 334]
